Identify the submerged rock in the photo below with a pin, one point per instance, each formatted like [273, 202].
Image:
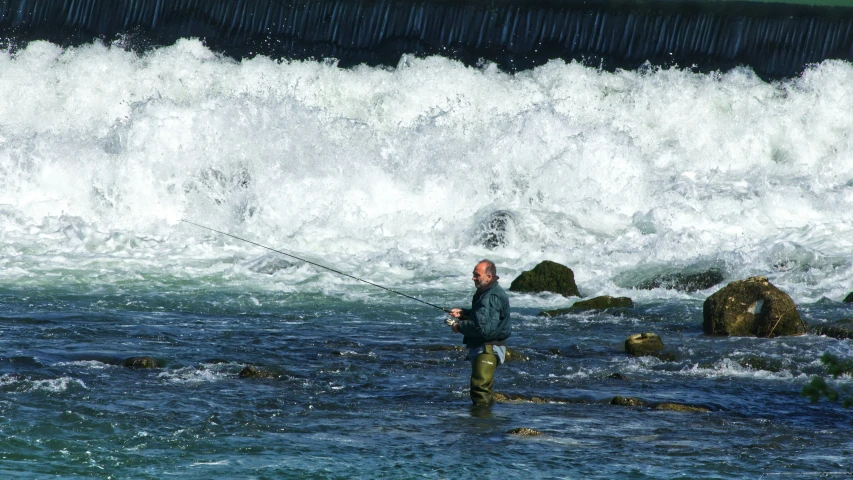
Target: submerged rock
[751, 307]
[140, 362]
[603, 302]
[638, 402]
[251, 371]
[684, 282]
[627, 401]
[646, 343]
[759, 363]
[848, 298]
[617, 376]
[680, 407]
[493, 231]
[525, 432]
[842, 329]
[548, 276]
[514, 398]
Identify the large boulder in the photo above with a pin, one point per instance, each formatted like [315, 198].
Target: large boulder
[643, 344]
[547, 277]
[751, 308]
[848, 298]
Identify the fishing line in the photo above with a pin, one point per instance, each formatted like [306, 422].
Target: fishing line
[318, 265]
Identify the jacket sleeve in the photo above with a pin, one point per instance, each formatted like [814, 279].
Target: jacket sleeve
[482, 320]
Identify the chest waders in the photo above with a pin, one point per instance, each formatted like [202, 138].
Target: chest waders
[483, 376]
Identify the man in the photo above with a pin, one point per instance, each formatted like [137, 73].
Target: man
[485, 328]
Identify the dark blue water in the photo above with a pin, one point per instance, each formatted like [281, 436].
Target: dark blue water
[374, 390]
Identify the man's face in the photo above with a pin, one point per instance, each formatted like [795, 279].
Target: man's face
[480, 276]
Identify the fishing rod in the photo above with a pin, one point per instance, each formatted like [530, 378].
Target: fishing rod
[318, 265]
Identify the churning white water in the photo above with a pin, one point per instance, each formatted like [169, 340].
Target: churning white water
[396, 174]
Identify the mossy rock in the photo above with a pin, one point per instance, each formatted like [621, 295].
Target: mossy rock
[524, 432]
[251, 371]
[140, 362]
[603, 302]
[444, 348]
[680, 407]
[842, 329]
[513, 355]
[760, 363]
[848, 298]
[646, 343]
[751, 308]
[665, 356]
[514, 398]
[547, 277]
[684, 282]
[628, 401]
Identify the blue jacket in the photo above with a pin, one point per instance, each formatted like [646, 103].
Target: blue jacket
[487, 322]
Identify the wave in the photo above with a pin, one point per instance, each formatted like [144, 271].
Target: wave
[404, 175]
[776, 40]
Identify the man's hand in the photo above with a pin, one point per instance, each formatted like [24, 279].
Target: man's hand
[452, 324]
[456, 312]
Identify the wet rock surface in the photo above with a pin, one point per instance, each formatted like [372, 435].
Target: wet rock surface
[842, 329]
[140, 362]
[547, 276]
[751, 308]
[604, 302]
[645, 343]
[684, 282]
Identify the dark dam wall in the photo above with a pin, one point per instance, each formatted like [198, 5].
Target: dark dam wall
[776, 40]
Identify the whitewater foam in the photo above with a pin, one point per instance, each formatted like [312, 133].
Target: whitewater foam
[390, 173]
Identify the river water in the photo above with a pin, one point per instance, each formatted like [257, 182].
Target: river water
[394, 175]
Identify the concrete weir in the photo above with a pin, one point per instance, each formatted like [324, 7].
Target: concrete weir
[776, 39]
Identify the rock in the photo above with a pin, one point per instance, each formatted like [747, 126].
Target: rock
[684, 282]
[638, 402]
[680, 407]
[547, 277]
[140, 362]
[643, 344]
[251, 371]
[759, 363]
[512, 398]
[513, 355]
[848, 298]
[627, 401]
[751, 307]
[842, 329]
[665, 356]
[526, 432]
[493, 231]
[617, 376]
[604, 302]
